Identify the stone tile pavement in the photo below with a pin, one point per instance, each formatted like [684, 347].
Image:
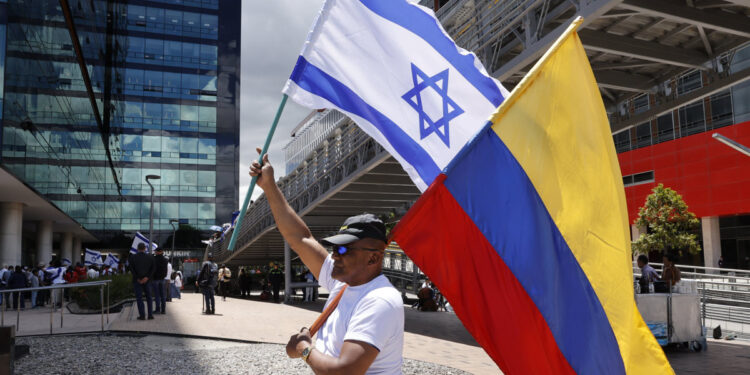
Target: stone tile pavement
[432, 337]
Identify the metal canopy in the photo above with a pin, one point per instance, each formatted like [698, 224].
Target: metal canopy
[325, 191]
[633, 45]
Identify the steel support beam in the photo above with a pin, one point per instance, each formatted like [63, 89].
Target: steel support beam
[613, 79]
[589, 11]
[715, 87]
[730, 23]
[623, 46]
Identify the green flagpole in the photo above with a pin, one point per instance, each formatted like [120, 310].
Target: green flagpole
[238, 225]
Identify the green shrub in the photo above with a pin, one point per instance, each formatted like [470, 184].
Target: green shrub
[121, 288]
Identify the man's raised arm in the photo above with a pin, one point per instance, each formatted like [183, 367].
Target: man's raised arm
[291, 226]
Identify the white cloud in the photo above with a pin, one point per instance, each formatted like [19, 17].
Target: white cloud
[272, 35]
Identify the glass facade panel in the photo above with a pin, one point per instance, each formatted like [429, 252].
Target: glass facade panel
[692, 119]
[155, 80]
[721, 110]
[643, 135]
[665, 128]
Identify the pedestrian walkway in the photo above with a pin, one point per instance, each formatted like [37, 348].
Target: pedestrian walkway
[431, 337]
[435, 337]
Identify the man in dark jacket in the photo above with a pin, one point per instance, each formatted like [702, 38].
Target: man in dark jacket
[17, 280]
[275, 277]
[160, 296]
[142, 267]
[207, 279]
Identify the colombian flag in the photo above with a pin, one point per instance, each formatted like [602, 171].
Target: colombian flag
[526, 232]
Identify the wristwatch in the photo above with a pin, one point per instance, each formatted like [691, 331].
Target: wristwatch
[306, 352]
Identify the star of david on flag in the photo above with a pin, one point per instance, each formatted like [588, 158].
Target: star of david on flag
[387, 65]
[450, 110]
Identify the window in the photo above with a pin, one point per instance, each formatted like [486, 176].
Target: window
[721, 110]
[154, 51]
[622, 141]
[643, 135]
[173, 22]
[136, 16]
[188, 211]
[207, 146]
[664, 128]
[209, 25]
[689, 82]
[188, 145]
[151, 143]
[191, 53]
[692, 119]
[153, 81]
[155, 19]
[638, 178]
[172, 52]
[172, 84]
[191, 24]
[640, 103]
[208, 54]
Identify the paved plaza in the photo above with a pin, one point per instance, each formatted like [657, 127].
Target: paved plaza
[436, 337]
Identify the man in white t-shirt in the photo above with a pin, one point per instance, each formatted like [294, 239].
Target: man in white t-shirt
[365, 333]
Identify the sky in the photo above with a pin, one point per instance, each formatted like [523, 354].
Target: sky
[273, 32]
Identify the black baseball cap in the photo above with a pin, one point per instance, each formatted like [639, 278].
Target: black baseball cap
[356, 228]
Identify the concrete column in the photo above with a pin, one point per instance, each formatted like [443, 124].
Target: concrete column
[711, 241]
[43, 242]
[287, 272]
[11, 226]
[66, 247]
[77, 249]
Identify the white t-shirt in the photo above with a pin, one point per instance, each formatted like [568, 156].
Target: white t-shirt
[92, 274]
[169, 271]
[371, 313]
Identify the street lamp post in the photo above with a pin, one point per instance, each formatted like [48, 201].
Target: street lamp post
[151, 215]
[732, 143]
[174, 232]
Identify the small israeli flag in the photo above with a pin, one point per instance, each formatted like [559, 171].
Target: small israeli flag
[66, 262]
[229, 226]
[112, 260]
[139, 238]
[92, 258]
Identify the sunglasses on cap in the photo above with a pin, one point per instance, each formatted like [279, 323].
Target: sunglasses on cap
[341, 249]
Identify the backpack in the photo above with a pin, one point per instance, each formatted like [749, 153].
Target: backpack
[204, 276]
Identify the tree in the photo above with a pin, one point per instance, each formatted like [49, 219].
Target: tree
[671, 227]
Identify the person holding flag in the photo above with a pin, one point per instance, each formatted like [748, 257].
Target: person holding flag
[367, 333]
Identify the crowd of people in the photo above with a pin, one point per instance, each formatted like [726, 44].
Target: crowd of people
[19, 277]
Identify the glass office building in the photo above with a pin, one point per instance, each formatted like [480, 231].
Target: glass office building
[158, 94]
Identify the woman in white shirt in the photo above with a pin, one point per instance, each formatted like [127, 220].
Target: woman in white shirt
[176, 285]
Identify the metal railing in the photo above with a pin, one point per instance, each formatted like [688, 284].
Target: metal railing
[401, 271]
[346, 151]
[53, 300]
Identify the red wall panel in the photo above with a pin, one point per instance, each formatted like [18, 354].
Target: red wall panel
[713, 179]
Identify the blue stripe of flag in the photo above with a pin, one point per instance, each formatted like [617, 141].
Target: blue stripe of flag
[310, 78]
[505, 206]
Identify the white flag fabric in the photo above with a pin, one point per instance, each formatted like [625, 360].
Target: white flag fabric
[66, 262]
[215, 228]
[138, 239]
[227, 226]
[112, 260]
[391, 67]
[92, 258]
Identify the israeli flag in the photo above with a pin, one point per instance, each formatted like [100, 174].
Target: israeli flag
[228, 226]
[112, 260]
[139, 238]
[215, 228]
[92, 258]
[391, 67]
[66, 262]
